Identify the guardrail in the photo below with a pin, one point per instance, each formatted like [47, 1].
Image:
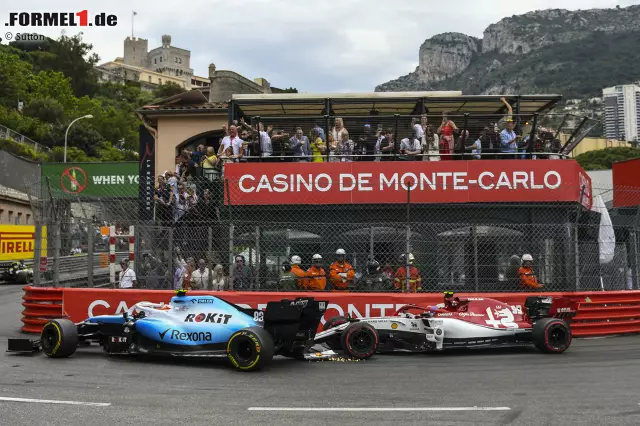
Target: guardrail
[7, 133]
[599, 313]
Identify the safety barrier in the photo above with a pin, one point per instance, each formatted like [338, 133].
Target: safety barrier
[599, 313]
[41, 305]
[607, 313]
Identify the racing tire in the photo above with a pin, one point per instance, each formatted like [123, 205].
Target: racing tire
[359, 340]
[334, 322]
[59, 338]
[250, 349]
[551, 335]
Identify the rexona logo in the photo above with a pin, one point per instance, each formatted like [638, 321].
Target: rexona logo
[210, 317]
[188, 337]
[201, 301]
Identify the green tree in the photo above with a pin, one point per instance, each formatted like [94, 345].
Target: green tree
[167, 90]
[14, 83]
[603, 159]
[47, 110]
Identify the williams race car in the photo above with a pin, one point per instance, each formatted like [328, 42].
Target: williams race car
[190, 326]
[473, 322]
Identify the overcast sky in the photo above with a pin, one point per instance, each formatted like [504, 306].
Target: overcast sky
[315, 46]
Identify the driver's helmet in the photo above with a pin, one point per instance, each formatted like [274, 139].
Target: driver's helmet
[373, 267]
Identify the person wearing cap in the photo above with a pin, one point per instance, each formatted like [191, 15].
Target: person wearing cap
[127, 276]
[242, 274]
[316, 275]
[509, 139]
[400, 278]
[288, 280]
[298, 272]
[528, 278]
[341, 273]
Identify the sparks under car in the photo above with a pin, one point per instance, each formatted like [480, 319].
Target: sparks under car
[473, 322]
[190, 326]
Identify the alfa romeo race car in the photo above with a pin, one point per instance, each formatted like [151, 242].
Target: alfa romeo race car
[474, 322]
[190, 326]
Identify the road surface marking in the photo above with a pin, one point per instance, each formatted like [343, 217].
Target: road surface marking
[379, 409]
[50, 401]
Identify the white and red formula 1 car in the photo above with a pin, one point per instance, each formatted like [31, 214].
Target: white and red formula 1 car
[473, 322]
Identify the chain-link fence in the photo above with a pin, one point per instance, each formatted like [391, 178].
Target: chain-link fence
[199, 238]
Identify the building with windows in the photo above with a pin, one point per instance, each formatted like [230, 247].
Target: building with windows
[622, 112]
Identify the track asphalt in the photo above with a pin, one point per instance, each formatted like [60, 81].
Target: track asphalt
[596, 382]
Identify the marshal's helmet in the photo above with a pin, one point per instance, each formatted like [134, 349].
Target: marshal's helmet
[296, 260]
[317, 259]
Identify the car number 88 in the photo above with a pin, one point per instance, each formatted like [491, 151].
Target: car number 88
[258, 316]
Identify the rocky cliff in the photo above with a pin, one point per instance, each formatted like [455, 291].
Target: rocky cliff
[575, 53]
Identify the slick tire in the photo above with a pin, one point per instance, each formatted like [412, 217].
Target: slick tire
[59, 338]
[359, 340]
[250, 349]
[334, 322]
[551, 335]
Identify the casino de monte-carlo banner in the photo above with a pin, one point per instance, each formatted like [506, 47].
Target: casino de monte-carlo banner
[481, 181]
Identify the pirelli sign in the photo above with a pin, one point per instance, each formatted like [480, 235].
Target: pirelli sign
[17, 242]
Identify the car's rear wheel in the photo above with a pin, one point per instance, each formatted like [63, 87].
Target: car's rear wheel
[334, 322]
[59, 338]
[551, 335]
[360, 340]
[250, 349]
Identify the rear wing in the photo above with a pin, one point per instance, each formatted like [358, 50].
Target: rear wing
[291, 320]
[538, 307]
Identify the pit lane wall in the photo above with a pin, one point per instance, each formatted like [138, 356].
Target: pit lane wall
[599, 313]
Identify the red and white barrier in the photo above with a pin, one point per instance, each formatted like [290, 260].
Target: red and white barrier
[112, 251]
[599, 313]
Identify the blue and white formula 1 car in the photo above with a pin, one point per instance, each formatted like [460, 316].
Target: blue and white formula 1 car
[190, 326]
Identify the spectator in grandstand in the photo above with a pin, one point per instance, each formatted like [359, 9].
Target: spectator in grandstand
[179, 202]
[316, 277]
[410, 148]
[266, 149]
[200, 277]
[430, 145]
[232, 140]
[333, 149]
[210, 165]
[162, 198]
[341, 273]
[219, 281]
[476, 147]
[528, 278]
[296, 261]
[242, 275]
[187, 167]
[509, 140]
[318, 147]
[462, 141]
[191, 198]
[338, 129]
[446, 131]
[415, 280]
[179, 274]
[387, 146]
[344, 149]
[198, 155]
[127, 276]
[502, 123]
[555, 147]
[367, 144]
[320, 132]
[300, 146]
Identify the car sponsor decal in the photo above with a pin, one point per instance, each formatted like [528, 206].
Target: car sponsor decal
[201, 336]
[394, 325]
[501, 317]
[162, 333]
[202, 301]
[209, 317]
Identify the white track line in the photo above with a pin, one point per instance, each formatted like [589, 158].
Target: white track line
[379, 409]
[50, 401]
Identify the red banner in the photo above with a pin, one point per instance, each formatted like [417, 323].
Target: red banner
[79, 304]
[389, 182]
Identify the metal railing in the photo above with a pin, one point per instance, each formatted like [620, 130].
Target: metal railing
[7, 133]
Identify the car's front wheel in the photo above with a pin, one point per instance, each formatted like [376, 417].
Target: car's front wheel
[551, 335]
[59, 338]
[250, 349]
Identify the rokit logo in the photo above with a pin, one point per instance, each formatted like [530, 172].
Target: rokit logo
[187, 337]
[210, 317]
